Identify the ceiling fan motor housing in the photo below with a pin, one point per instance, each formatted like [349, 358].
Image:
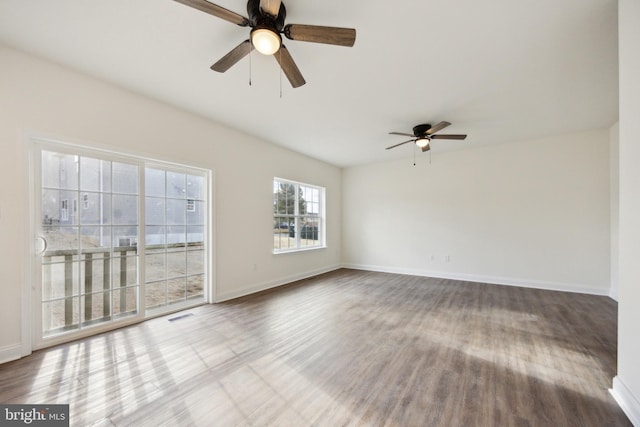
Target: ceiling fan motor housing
[259, 19]
[421, 130]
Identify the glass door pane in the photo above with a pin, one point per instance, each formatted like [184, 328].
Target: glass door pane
[175, 213]
[88, 216]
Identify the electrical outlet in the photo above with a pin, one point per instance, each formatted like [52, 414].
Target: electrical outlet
[447, 258]
[433, 258]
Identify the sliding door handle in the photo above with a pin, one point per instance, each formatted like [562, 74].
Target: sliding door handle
[45, 245]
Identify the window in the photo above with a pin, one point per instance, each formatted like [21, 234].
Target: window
[298, 216]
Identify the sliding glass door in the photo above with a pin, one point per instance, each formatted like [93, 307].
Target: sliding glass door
[117, 239]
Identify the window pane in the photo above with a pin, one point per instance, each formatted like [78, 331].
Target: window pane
[155, 267]
[176, 263]
[95, 305]
[154, 210]
[154, 182]
[60, 280]
[195, 262]
[95, 277]
[285, 199]
[195, 286]
[176, 290]
[176, 234]
[195, 216]
[61, 239]
[95, 208]
[57, 207]
[156, 294]
[284, 242]
[195, 234]
[125, 210]
[176, 212]
[154, 236]
[125, 269]
[125, 300]
[124, 237]
[95, 175]
[195, 187]
[125, 178]
[309, 232]
[302, 200]
[176, 185]
[60, 314]
[59, 170]
[95, 237]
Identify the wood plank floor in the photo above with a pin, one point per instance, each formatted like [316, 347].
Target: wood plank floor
[345, 348]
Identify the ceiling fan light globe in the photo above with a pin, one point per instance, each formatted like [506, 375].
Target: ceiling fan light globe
[422, 142]
[266, 41]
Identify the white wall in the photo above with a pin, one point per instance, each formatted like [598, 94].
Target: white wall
[532, 213]
[36, 95]
[626, 385]
[614, 202]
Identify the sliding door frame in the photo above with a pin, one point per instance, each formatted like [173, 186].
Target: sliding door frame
[31, 309]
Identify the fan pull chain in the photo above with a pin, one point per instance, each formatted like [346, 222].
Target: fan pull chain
[250, 55]
[414, 155]
[280, 53]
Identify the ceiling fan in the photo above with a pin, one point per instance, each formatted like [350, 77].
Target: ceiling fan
[266, 20]
[423, 134]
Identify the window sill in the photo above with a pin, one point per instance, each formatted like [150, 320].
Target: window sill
[290, 251]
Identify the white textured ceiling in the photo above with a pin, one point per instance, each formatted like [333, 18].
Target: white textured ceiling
[499, 70]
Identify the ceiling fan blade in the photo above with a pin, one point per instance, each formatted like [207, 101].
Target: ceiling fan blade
[397, 145]
[289, 67]
[215, 10]
[448, 136]
[232, 57]
[403, 134]
[426, 148]
[317, 34]
[272, 7]
[438, 127]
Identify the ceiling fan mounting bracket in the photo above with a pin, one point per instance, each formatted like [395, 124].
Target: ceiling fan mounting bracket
[421, 130]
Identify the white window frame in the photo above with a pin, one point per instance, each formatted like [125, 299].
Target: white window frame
[321, 217]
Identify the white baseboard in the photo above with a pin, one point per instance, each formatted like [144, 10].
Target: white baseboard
[507, 281]
[10, 352]
[273, 284]
[626, 400]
